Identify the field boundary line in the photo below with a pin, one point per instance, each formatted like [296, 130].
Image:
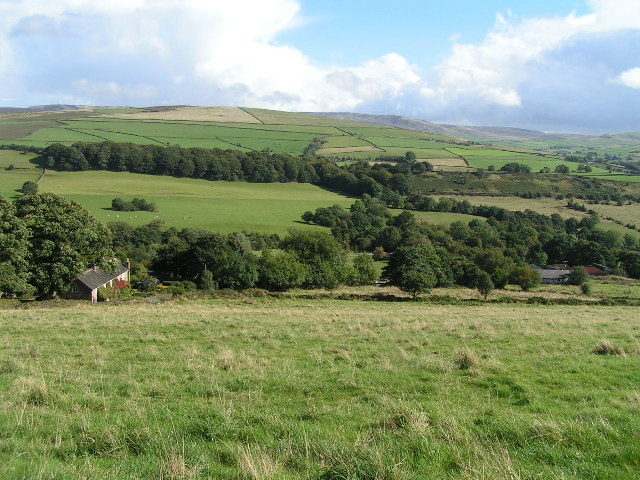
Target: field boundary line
[131, 134]
[251, 114]
[237, 145]
[460, 156]
[44, 171]
[213, 124]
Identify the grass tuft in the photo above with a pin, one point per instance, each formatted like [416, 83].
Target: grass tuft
[606, 347]
[465, 359]
[256, 463]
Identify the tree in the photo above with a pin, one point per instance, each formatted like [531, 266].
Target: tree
[280, 271]
[364, 270]
[14, 251]
[416, 282]
[578, 276]
[207, 283]
[321, 253]
[563, 169]
[29, 188]
[526, 278]
[414, 269]
[410, 157]
[484, 284]
[493, 261]
[64, 240]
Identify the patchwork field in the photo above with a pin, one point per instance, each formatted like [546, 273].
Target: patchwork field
[248, 129]
[209, 114]
[484, 158]
[318, 389]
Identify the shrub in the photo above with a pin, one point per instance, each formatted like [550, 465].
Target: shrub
[526, 278]
[364, 271]
[106, 293]
[484, 284]
[145, 283]
[180, 288]
[29, 188]
[585, 288]
[578, 276]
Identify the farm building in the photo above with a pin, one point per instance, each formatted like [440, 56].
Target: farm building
[85, 286]
[551, 276]
[595, 271]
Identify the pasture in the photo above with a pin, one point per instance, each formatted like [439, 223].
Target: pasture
[247, 129]
[484, 158]
[183, 202]
[257, 388]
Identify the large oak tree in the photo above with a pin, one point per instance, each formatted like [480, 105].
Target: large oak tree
[64, 239]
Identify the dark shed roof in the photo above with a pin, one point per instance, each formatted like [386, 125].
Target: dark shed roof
[94, 278]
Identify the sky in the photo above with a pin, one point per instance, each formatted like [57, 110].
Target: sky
[555, 66]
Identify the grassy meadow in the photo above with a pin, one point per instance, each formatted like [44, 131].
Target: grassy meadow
[184, 202]
[261, 388]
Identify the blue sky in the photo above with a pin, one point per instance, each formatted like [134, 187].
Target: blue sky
[564, 66]
[421, 31]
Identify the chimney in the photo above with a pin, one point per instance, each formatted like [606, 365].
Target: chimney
[94, 267]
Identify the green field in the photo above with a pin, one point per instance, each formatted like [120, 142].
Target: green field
[183, 202]
[318, 389]
[272, 130]
[12, 180]
[484, 158]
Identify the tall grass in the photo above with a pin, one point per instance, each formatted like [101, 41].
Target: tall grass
[267, 388]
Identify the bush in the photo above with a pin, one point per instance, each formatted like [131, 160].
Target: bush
[280, 271]
[585, 288]
[145, 283]
[526, 278]
[578, 276]
[484, 284]
[29, 188]
[364, 270]
[106, 293]
[180, 288]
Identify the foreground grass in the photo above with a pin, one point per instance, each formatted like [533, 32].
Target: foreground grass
[318, 389]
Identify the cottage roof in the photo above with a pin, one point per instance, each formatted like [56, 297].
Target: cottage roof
[553, 274]
[594, 270]
[96, 277]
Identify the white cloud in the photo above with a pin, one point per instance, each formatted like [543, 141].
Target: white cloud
[213, 45]
[142, 52]
[493, 69]
[630, 78]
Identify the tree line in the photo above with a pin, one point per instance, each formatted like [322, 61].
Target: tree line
[391, 182]
[497, 246]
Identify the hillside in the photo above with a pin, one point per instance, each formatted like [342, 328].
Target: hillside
[628, 143]
[247, 129]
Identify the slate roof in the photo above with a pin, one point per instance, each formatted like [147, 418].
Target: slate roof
[553, 274]
[98, 277]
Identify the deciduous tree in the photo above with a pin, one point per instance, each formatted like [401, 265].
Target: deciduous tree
[64, 239]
